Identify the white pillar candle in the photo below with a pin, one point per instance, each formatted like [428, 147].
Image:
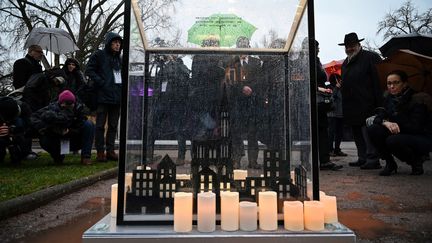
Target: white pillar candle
[128, 181]
[114, 188]
[322, 195]
[267, 210]
[330, 209]
[183, 205]
[309, 189]
[248, 216]
[240, 174]
[229, 211]
[206, 212]
[293, 177]
[293, 215]
[314, 215]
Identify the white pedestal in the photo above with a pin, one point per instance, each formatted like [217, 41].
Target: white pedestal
[107, 231]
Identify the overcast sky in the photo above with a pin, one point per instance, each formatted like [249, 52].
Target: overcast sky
[335, 18]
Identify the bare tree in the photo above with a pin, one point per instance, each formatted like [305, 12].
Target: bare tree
[87, 21]
[405, 20]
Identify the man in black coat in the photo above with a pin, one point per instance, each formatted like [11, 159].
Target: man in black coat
[104, 69]
[361, 94]
[25, 67]
[62, 126]
[245, 75]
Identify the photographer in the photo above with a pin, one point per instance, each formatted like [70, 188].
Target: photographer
[63, 127]
[13, 119]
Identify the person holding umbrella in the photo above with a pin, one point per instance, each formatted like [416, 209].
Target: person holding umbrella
[27, 66]
[402, 126]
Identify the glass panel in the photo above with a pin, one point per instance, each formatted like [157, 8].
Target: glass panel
[198, 23]
[204, 114]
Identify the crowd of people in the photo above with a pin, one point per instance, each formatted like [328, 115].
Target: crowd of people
[51, 105]
[396, 122]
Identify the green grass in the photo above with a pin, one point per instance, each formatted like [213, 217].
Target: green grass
[35, 175]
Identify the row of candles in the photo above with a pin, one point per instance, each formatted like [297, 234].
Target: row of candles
[245, 215]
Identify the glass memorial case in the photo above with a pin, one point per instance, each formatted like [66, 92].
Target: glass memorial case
[218, 98]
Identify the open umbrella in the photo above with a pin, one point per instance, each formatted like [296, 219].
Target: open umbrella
[52, 39]
[333, 67]
[224, 27]
[415, 42]
[418, 68]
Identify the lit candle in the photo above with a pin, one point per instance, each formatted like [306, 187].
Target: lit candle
[128, 181]
[240, 174]
[330, 209]
[293, 215]
[322, 195]
[248, 216]
[314, 215]
[206, 212]
[229, 211]
[114, 188]
[183, 211]
[267, 210]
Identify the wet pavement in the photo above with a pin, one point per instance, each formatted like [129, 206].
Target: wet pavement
[378, 209]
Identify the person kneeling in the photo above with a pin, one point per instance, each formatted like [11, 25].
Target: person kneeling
[403, 126]
[62, 126]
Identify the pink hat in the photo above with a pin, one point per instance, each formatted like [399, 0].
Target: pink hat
[66, 96]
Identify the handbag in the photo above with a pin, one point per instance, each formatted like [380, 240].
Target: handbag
[325, 101]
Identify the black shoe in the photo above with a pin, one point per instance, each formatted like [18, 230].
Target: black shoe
[340, 154]
[59, 159]
[357, 164]
[330, 166]
[371, 166]
[417, 167]
[390, 167]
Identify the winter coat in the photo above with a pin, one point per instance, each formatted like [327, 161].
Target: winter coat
[40, 90]
[52, 120]
[74, 79]
[100, 70]
[24, 68]
[361, 91]
[205, 91]
[411, 111]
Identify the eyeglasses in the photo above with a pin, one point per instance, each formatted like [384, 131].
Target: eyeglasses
[39, 51]
[394, 83]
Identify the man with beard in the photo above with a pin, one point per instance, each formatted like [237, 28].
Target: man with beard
[361, 94]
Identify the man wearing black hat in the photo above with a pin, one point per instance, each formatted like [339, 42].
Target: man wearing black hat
[361, 94]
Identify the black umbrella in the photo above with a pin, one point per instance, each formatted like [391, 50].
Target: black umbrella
[415, 42]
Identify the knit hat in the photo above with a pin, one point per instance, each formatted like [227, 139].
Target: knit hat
[66, 96]
[9, 109]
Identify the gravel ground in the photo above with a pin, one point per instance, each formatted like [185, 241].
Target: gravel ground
[380, 209]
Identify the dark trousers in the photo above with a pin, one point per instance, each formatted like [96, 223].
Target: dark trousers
[82, 140]
[406, 147]
[104, 113]
[323, 139]
[335, 131]
[366, 152]
[250, 130]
